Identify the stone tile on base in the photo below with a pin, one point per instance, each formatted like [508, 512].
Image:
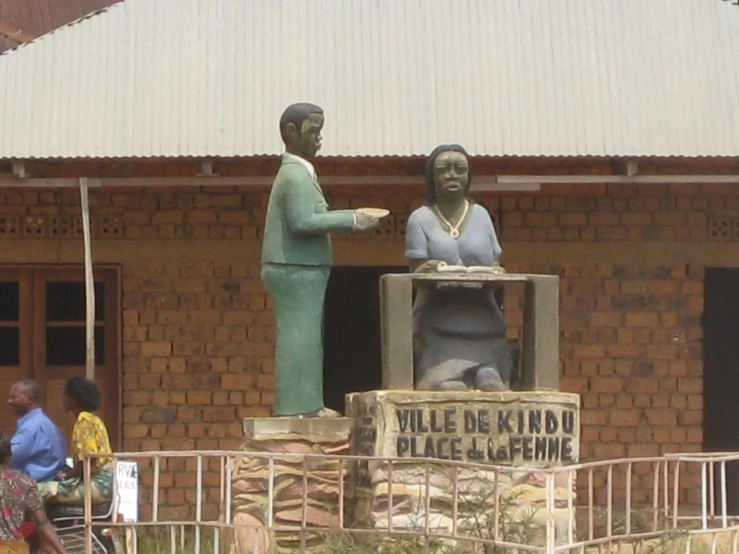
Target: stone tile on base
[290, 439]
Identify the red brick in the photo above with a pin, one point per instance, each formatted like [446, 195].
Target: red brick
[695, 402]
[694, 435]
[642, 450]
[198, 397]
[625, 418]
[150, 382]
[205, 317]
[624, 401]
[593, 417]
[692, 287]
[572, 219]
[690, 385]
[589, 401]
[634, 287]
[607, 385]
[160, 398]
[662, 352]
[678, 435]
[219, 414]
[695, 305]
[624, 350]
[606, 400]
[576, 385]
[196, 430]
[220, 398]
[664, 287]
[137, 398]
[642, 319]
[661, 435]
[135, 431]
[679, 368]
[608, 451]
[237, 381]
[660, 417]
[605, 319]
[661, 400]
[589, 351]
[636, 219]
[201, 216]
[236, 317]
[149, 349]
[641, 385]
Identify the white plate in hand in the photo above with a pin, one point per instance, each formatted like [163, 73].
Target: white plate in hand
[374, 212]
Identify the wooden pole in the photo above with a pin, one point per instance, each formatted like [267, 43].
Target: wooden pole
[89, 284]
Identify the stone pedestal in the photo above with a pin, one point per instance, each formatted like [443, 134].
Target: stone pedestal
[522, 431]
[258, 506]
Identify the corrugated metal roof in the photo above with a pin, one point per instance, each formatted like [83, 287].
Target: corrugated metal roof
[161, 78]
[24, 20]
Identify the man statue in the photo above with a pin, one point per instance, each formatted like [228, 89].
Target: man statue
[38, 447]
[296, 261]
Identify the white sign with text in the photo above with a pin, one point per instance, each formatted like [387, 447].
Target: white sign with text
[127, 482]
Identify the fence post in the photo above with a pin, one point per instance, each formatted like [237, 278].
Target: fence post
[86, 473]
[551, 527]
[704, 496]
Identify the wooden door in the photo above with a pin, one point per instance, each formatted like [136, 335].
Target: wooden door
[59, 348]
[46, 337]
[15, 337]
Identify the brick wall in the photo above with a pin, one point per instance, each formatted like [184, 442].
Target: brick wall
[198, 330]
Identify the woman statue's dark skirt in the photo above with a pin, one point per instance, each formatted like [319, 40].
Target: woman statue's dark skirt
[460, 341]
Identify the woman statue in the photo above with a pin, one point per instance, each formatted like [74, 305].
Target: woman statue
[89, 436]
[459, 330]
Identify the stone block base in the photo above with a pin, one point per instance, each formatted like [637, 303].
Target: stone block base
[520, 433]
[520, 505]
[291, 439]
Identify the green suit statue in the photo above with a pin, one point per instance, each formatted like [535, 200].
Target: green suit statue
[296, 261]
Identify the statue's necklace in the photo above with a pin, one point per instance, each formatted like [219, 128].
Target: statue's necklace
[453, 229]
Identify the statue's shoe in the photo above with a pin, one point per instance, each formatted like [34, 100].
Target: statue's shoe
[449, 386]
[488, 379]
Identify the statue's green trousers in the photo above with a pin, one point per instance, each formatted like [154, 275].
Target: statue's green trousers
[298, 293]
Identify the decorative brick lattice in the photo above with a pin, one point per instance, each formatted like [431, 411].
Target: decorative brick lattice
[59, 226]
[401, 222]
[111, 227]
[387, 230]
[9, 226]
[77, 227]
[34, 226]
[721, 228]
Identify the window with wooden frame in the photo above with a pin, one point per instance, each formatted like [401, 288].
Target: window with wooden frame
[42, 337]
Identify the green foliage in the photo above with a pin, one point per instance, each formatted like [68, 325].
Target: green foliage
[159, 541]
[513, 526]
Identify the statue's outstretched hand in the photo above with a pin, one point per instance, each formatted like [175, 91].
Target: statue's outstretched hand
[364, 222]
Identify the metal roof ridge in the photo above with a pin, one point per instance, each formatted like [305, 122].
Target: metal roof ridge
[64, 27]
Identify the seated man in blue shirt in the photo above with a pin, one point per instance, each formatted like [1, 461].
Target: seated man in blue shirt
[38, 447]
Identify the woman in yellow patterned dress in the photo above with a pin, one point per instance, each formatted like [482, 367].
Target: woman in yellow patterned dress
[89, 436]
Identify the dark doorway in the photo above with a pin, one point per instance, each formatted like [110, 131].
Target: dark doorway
[352, 359]
[721, 371]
